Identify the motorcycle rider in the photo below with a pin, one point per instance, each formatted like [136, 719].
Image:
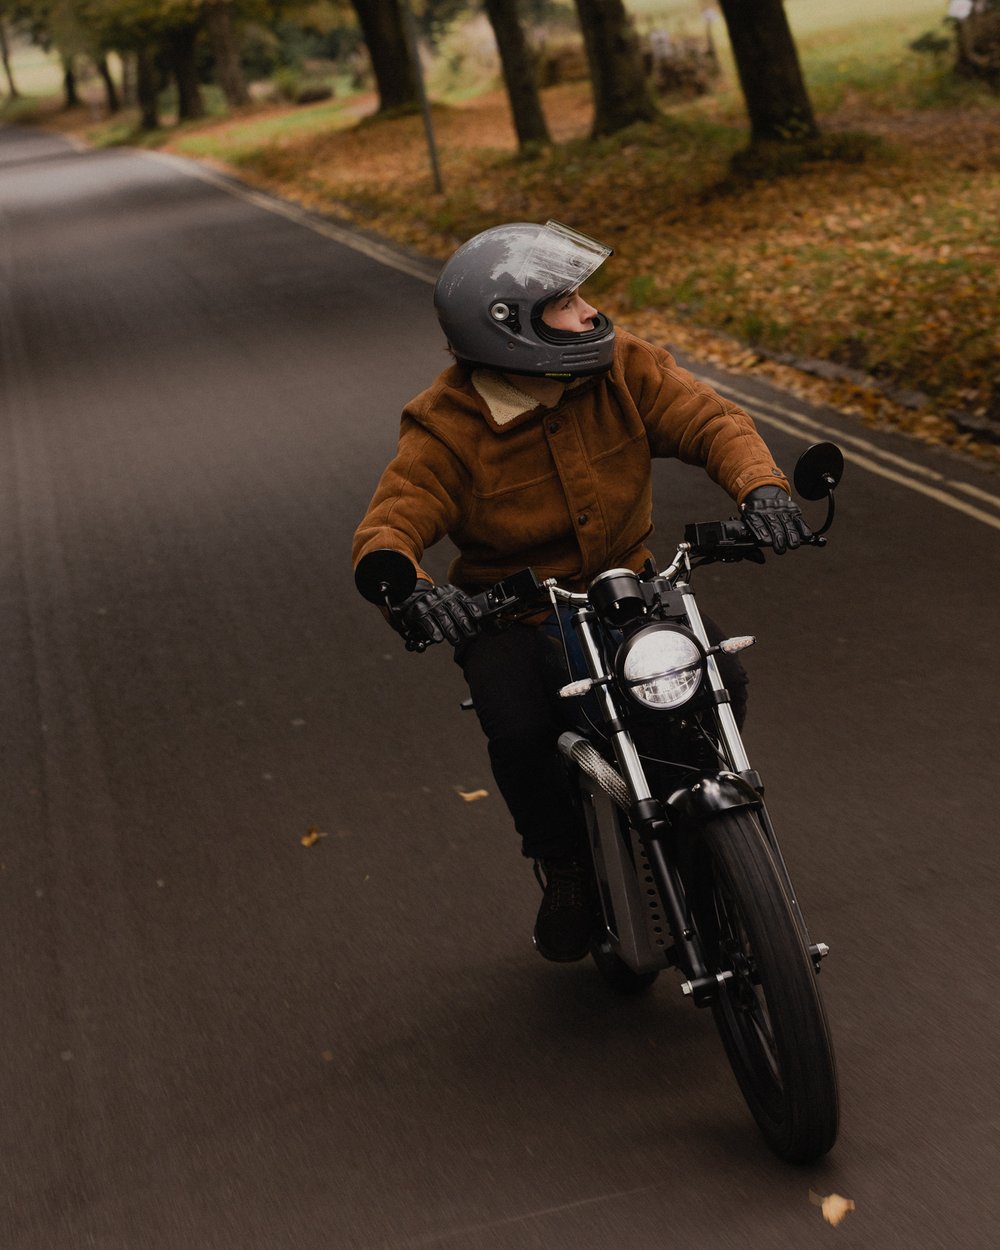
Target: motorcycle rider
[534, 449]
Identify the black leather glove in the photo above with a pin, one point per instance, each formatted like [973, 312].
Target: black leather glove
[774, 519]
[440, 613]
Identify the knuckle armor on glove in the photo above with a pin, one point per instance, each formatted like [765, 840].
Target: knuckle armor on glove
[774, 519]
[440, 613]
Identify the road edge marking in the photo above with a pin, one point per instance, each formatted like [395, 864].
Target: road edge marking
[867, 455]
[866, 462]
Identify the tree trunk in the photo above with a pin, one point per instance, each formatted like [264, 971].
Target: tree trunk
[110, 90]
[621, 93]
[768, 65]
[179, 45]
[69, 83]
[385, 37]
[518, 73]
[130, 78]
[148, 86]
[977, 40]
[5, 57]
[226, 53]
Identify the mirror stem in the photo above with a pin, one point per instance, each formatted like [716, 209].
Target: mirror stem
[830, 508]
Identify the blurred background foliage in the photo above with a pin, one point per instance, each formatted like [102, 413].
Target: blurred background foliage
[279, 46]
[846, 223]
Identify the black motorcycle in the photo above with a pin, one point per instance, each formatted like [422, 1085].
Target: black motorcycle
[686, 861]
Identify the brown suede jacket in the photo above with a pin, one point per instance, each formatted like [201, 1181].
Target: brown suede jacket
[564, 489]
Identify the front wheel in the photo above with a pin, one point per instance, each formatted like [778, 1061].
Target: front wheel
[768, 1012]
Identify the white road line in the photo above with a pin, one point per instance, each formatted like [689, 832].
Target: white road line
[976, 493]
[867, 455]
[866, 462]
[857, 450]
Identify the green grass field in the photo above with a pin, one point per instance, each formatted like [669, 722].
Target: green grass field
[36, 73]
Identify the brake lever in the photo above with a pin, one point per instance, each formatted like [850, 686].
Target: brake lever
[412, 641]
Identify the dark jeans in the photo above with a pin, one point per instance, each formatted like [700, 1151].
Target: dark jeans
[514, 676]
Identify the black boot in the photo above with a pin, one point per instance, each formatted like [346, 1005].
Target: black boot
[565, 924]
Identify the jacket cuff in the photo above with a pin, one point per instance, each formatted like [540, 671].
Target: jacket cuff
[774, 478]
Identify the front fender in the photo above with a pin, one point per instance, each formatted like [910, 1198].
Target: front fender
[711, 794]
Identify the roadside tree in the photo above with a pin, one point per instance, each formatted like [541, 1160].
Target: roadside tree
[618, 77]
[977, 37]
[12, 90]
[519, 75]
[162, 36]
[767, 62]
[384, 33]
[222, 19]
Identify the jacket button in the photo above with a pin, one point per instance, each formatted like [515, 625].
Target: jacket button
[582, 519]
[554, 427]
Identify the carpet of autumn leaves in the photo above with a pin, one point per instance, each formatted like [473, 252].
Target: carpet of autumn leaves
[881, 260]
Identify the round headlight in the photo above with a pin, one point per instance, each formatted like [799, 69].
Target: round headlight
[661, 667]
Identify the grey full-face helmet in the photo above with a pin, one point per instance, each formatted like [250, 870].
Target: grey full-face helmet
[489, 299]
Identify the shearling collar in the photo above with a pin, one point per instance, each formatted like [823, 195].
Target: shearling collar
[505, 401]
[509, 406]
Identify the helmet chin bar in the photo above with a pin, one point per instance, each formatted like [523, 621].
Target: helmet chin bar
[577, 354]
[561, 338]
[583, 351]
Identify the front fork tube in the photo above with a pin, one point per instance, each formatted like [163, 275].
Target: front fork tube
[739, 761]
[648, 820]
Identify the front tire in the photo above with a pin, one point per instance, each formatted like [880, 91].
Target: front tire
[768, 1013]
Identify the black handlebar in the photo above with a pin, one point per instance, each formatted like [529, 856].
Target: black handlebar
[732, 540]
[707, 541]
[387, 577]
[720, 540]
[518, 591]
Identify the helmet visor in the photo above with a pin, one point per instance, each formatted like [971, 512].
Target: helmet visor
[559, 259]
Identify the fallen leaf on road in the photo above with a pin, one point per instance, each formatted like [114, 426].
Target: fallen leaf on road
[471, 796]
[312, 837]
[834, 1206]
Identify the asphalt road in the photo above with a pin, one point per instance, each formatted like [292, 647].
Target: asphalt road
[217, 1038]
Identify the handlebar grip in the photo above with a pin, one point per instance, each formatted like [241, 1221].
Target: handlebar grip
[732, 540]
[511, 594]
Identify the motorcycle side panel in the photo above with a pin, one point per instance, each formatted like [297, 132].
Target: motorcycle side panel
[637, 931]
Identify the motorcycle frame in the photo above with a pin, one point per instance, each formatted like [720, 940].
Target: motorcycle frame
[628, 840]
